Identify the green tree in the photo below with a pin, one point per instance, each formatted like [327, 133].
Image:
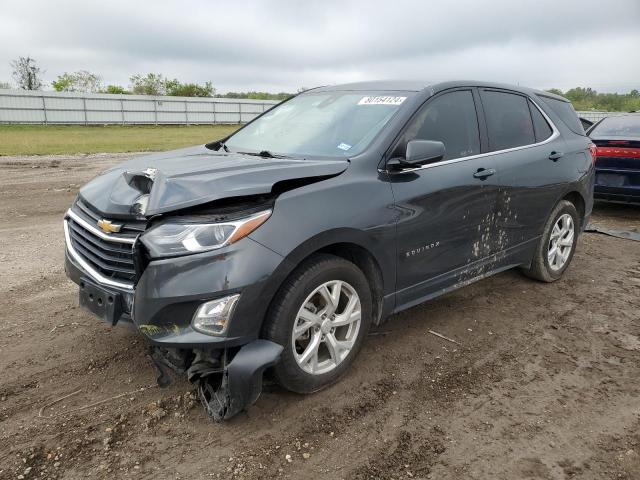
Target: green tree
[588, 99]
[257, 95]
[80, 81]
[149, 84]
[27, 74]
[177, 89]
[4, 85]
[115, 89]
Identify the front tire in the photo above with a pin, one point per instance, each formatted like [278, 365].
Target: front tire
[320, 316]
[557, 245]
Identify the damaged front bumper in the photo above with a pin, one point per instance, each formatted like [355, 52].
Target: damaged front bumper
[227, 383]
[227, 369]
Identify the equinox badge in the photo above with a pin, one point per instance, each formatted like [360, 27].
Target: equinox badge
[108, 227]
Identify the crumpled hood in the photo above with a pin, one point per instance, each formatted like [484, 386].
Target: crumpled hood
[193, 176]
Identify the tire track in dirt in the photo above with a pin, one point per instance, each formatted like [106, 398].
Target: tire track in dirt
[319, 427]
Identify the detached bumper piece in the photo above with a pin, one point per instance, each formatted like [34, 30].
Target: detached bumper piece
[225, 387]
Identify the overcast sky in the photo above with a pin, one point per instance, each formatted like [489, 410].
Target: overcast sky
[281, 45]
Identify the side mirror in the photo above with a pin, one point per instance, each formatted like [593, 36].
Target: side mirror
[424, 151]
[418, 153]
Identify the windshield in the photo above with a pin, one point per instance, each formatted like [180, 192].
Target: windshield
[322, 124]
[623, 126]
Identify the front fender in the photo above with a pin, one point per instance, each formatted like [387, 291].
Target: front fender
[349, 209]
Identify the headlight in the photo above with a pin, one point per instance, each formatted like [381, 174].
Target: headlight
[180, 238]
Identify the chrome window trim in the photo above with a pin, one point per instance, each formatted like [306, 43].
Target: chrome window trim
[552, 137]
[76, 218]
[88, 268]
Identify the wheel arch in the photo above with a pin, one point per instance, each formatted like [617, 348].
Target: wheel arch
[578, 201]
[366, 262]
[350, 244]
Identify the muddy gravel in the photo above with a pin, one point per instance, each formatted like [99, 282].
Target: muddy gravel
[544, 383]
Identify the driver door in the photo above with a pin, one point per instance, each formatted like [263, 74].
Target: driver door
[445, 208]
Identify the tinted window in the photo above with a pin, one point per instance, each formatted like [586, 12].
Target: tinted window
[566, 113]
[623, 126]
[508, 120]
[449, 118]
[541, 128]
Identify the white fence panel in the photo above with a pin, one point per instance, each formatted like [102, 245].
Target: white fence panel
[17, 106]
[104, 117]
[139, 117]
[594, 116]
[65, 116]
[22, 116]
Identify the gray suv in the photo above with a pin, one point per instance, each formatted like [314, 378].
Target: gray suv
[275, 249]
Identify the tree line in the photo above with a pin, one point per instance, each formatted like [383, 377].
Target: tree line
[589, 99]
[27, 75]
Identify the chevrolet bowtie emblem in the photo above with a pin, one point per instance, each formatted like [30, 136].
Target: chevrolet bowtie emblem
[108, 227]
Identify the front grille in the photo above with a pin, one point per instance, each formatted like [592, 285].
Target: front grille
[129, 226]
[108, 255]
[111, 259]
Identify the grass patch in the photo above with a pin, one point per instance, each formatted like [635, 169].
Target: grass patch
[70, 139]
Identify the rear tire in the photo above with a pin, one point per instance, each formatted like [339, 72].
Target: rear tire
[327, 299]
[557, 244]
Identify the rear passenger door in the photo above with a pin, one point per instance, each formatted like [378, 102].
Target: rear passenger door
[523, 145]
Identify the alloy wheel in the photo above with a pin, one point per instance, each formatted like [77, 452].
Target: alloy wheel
[326, 327]
[561, 242]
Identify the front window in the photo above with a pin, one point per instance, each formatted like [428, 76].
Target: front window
[332, 123]
[449, 118]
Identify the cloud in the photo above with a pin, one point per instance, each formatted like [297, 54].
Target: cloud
[284, 44]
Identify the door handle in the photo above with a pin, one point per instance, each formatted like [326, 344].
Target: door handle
[483, 173]
[555, 155]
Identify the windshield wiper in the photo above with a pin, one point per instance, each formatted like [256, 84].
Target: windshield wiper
[263, 154]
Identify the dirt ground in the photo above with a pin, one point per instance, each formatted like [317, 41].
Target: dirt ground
[544, 383]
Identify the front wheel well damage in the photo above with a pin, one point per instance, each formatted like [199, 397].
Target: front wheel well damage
[230, 379]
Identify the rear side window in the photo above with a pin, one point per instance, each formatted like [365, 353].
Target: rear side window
[541, 127]
[566, 113]
[508, 120]
[449, 118]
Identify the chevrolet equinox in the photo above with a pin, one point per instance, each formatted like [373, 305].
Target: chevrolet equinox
[275, 249]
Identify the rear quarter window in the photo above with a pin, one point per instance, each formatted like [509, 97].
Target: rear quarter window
[540, 126]
[566, 113]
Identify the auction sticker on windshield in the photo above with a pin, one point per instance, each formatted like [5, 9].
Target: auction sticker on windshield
[381, 100]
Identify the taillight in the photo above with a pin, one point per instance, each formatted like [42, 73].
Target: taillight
[618, 152]
[594, 152]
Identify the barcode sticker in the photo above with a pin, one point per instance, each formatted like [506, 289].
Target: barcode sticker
[381, 100]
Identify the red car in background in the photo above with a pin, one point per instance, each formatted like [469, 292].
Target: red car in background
[617, 141]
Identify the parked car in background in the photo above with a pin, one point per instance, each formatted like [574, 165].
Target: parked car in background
[617, 141]
[279, 246]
